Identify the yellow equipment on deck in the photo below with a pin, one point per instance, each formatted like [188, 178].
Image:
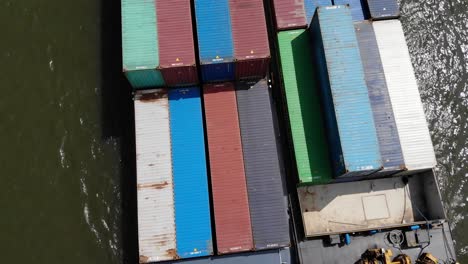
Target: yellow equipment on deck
[384, 256]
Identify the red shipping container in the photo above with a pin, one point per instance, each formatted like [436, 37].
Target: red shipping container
[229, 188]
[176, 45]
[289, 14]
[250, 37]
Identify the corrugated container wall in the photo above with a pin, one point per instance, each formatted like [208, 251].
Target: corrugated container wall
[176, 44]
[249, 32]
[215, 43]
[293, 14]
[157, 43]
[418, 151]
[191, 197]
[228, 183]
[303, 105]
[140, 49]
[356, 8]
[156, 225]
[389, 143]
[352, 134]
[383, 9]
[267, 196]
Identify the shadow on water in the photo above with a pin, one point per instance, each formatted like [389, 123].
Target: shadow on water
[118, 122]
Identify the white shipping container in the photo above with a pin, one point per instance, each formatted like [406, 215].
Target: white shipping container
[156, 224]
[416, 144]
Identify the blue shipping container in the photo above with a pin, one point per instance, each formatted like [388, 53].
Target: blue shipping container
[191, 197]
[311, 6]
[215, 44]
[356, 8]
[387, 133]
[352, 135]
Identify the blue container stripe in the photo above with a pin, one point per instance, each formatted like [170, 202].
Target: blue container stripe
[311, 6]
[389, 142]
[214, 31]
[356, 8]
[346, 90]
[218, 72]
[191, 197]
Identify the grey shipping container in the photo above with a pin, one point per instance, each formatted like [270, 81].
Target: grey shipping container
[387, 133]
[382, 9]
[265, 187]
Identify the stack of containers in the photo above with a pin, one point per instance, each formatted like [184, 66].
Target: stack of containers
[232, 39]
[303, 107]
[404, 138]
[293, 14]
[173, 201]
[415, 139]
[389, 142]
[354, 146]
[228, 183]
[157, 43]
[355, 6]
[265, 187]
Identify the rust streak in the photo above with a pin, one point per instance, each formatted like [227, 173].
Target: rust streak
[157, 186]
[143, 259]
[152, 97]
[172, 253]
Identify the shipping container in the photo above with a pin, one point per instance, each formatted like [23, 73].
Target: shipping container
[215, 42]
[228, 183]
[191, 196]
[140, 50]
[357, 12]
[157, 43]
[250, 37]
[383, 9]
[263, 168]
[311, 5]
[176, 44]
[352, 135]
[294, 14]
[155, 196]
[389, 142]
[303, 106]
[415, 139]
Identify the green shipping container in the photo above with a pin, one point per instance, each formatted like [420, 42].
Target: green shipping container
[140, 44]
[303, 104]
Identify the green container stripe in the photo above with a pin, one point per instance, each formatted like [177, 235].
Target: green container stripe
[304, 110]
[145, 79]
[139, 35]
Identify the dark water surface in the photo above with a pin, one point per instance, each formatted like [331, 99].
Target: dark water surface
[66, 160]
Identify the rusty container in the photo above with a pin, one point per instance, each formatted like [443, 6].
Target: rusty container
[229, 189]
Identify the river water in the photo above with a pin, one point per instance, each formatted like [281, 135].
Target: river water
[67, 156]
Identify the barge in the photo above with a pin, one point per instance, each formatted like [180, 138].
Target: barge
[312, 150]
